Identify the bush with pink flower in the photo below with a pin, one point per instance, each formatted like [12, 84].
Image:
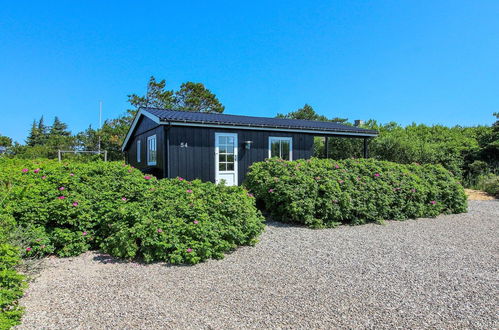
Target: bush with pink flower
[69, 208]
[353, 191]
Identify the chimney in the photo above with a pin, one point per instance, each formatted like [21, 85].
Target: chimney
[358, 122]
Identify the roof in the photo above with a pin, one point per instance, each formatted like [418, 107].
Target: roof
[186, 118]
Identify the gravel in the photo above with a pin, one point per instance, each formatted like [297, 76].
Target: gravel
[425, 273]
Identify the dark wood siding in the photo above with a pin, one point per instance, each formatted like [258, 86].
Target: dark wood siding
[197, 159]
[145, 128]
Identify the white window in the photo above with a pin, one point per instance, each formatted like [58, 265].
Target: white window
[151, 150]
[281, 147]
[139, 149]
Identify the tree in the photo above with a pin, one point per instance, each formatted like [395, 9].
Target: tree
[156, 96]
[37, 134]
[308, 113]
[59, 128]
[5, 141]
[58, 137]
[197, 98]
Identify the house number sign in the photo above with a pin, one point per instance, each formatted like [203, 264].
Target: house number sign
[183, 145]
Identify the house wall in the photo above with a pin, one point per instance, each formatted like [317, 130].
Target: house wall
[145, 128]
[197, 160]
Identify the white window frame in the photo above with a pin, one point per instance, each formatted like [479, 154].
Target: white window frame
[150, 144]
[281, 138]
[139, 150]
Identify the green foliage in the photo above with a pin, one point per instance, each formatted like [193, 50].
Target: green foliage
[323, 192]
[12, 285]
[489, 183]
[197, 98]
[156, 97]
[69, 208]
[308, 113]
[5, 141]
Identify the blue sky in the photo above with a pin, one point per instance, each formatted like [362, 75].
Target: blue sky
[405, 61]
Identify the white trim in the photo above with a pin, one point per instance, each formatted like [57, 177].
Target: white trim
[149, 138]
[139, 150]
[236, 163]
[252, 128]
[287, 138]
[134, 123]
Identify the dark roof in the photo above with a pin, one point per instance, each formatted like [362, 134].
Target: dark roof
[250, 121]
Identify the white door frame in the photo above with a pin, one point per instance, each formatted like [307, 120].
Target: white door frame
[235, 171]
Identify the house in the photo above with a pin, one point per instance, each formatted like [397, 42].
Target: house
[216, 147]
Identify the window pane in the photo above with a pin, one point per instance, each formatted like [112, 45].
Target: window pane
[285, 149]
[222, 149]
[230, 140]
[222, 158]
[222, 166]
[274, 148]
[230, 158]
[222, 140]
[230, 149]
[230, 166]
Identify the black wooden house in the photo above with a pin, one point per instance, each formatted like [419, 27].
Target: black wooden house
[215, 147]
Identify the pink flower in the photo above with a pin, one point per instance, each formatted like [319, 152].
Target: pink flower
[317, 178]
[61, 188]
[75, 204]
[44, 177]
[180, 178]
[36, 171]
[189, 191]
[196, 222]
[160, 230]
[271, 190]
[189, 250]
[341, 181]
[61, 197]
[123, 199]
[43, 246]
[413, 190]
[71, 174]
[336, 166]
[376, 174]
[84, 233]
[335, 201]
[250, 195]
[433, 202]
[25, 170]
[28, 249]
[147, 177]
[130, 171]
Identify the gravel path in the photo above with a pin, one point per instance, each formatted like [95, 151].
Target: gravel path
[437, 273]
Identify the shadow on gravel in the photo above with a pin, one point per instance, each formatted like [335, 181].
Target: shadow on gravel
[108, 259]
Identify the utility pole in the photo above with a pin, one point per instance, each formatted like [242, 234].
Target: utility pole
[100, 123]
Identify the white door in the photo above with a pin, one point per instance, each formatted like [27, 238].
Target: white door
[226, 158]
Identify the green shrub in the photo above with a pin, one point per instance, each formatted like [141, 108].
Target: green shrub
[325, 193]
[12, 285]
[69, 208]
[489, 183]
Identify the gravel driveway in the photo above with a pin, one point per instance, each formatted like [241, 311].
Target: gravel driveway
[439, 273]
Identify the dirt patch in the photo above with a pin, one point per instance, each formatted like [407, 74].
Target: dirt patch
[478, 195]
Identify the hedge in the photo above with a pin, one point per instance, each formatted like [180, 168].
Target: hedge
[324, 192]
[12, 285]
[69, 208]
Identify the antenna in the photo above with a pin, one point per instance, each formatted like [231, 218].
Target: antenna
[100, 123]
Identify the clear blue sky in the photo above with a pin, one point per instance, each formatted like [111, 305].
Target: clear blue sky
[422, 61]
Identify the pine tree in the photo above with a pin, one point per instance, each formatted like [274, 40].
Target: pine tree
[34, 135]
[59, 128]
